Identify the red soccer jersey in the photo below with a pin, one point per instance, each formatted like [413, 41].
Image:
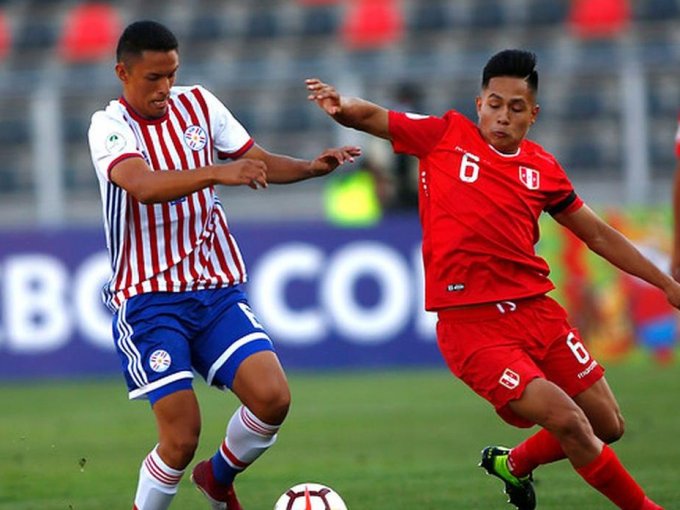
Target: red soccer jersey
[677, 140]
[479, 210]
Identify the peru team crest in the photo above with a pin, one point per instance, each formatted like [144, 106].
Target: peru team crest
[160, 360]
[530, 177]
[195, 137]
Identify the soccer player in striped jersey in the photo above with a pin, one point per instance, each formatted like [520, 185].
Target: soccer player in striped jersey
[675, 259]
[482, 189]
[175, 289]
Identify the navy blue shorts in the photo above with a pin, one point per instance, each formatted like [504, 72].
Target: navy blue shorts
[163, 337]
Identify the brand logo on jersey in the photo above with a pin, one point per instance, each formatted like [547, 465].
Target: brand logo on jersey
[115, 142]
[509, 379]
[195, 138]
[455, 287]
[529, 177]
[160, 360]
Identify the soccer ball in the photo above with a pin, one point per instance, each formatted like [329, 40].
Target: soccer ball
[310, 496]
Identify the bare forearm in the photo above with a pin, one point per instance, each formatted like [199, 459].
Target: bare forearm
[620, 252]
[363, 115]
[285, 169]
[167, 185]
[676, 209]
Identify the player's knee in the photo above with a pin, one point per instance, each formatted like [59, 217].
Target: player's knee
[180, 448]
[569, 424]
[271, 406]
[614, 430]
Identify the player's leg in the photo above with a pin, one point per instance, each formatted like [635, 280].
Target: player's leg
[154, 354]
[261, 386]
[178, 420]
[550, 407]
[601, 408]
[236, 353]
[604, 415]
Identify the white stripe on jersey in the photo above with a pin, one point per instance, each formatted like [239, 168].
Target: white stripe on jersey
[180, 245]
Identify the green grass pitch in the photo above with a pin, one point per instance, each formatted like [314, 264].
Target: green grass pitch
[384, 440]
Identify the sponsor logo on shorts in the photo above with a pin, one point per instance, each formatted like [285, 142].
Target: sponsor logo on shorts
[160, 360]
[509, 379]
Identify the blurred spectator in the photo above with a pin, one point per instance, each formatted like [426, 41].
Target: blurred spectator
[599, 18]
[90, 33]
[372, 24]
[357, 197]
[408, 99]
[5, 36]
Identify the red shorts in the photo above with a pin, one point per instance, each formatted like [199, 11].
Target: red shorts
[498, 348]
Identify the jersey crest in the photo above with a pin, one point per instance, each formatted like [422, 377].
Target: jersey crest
[195, 138]
[530, 177]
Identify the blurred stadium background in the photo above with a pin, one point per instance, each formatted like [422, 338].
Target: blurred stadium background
[609, 93]
[610, 90]
[332, 296]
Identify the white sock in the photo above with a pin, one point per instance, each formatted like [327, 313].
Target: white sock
[247, 438]
[157, 483]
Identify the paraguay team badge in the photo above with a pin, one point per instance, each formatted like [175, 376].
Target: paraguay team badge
[195, 137]
[160, 360]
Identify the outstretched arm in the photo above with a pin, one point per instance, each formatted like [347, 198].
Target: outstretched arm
[349, 111]
[613, 246]
[284, 169]
[675, 258]
[151, 187]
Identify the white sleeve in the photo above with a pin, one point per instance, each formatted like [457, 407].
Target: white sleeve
[230, 138]
[111, 141]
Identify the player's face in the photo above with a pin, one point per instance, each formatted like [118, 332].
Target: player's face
[147, 80]
[506, 109]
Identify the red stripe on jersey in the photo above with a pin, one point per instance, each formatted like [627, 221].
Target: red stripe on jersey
[206, 114]
[190, 202]
[151, 212]
[165, 207]
[138, 240]
[123, 271]
[194, 119]
[181, 246]
[230, 241]
[221, 257]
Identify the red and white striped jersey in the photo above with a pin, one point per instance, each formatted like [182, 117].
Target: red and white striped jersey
[677, 140]
[176, 246]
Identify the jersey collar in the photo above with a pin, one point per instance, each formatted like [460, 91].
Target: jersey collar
[502, 154]
[144, 120]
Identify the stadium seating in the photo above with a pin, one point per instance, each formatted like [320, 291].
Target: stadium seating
[256, 54]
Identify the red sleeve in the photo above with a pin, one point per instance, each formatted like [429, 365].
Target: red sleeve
[415, 134]
[677, 140]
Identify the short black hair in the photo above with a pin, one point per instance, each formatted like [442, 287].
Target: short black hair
[515, 63]
[145, 35]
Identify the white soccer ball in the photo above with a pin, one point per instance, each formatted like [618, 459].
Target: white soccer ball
[310, 496]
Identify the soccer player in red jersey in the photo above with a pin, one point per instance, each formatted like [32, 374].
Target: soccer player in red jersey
[482, 189]
[675, 260]
[175, 289]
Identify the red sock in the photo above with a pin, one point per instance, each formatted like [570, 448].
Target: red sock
[541, 448]
[607, 475]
